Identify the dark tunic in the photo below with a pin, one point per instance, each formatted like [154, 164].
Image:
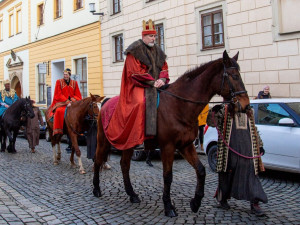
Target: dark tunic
[33, 128]
[245, 185]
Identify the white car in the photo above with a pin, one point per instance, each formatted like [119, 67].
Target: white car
[278, 123]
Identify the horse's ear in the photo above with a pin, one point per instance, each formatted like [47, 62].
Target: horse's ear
[226, 59]
[236, 56]
[29, 97]
[91, 94]
[26, 97]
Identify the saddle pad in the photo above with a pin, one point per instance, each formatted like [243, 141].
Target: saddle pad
[107, 111]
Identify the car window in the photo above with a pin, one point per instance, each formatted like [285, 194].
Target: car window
[271, 113]
[295, 106]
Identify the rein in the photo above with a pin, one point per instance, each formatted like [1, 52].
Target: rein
[88, 117]
[231, 149]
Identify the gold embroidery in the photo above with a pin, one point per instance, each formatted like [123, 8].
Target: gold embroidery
[9, 94]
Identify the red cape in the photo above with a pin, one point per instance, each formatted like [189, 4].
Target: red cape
[127, 124]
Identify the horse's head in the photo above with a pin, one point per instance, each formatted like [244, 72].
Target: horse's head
[27, 108]
[94, 108]
[232, 86]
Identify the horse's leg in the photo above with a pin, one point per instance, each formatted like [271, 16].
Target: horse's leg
[167, 157]
[58, 152]
[103, 148]
[3, 146]
[75, 148]
[15, 134]
[53, 143]
[190, 154]
[125, 166]
[10, 138]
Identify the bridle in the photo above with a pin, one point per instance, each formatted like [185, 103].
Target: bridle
[25, 111]
[233, 93]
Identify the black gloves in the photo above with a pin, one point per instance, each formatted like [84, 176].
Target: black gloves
[216, 108]
[262, 150]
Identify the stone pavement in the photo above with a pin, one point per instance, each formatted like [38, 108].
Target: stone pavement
[34, 191]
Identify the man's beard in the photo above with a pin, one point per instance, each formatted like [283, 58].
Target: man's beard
[151, 44]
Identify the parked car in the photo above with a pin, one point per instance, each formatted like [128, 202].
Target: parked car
[278, 123]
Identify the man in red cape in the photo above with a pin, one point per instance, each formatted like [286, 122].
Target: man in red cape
[66, 91]
[144, 71]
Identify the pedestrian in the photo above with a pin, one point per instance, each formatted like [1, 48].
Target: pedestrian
[7, 97]
[91, 140]
[265, 93]
[135, 115]
[201, 124]
[238, 175]
[33, 128]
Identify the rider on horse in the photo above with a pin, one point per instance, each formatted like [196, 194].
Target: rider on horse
[145, 70]
[7, 97]
[66, 92]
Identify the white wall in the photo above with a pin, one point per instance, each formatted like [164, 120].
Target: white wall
[70, 19]
[17, 39]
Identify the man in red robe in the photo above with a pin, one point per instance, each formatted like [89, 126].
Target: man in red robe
[144, 71]
[66, 91]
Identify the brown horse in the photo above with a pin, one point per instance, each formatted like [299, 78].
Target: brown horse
[75, 124]
[177, 127]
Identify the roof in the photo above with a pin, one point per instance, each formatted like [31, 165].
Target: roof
[275, 100]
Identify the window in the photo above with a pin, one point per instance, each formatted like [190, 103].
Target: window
[57, 9]
[78, 4]
[116, 6]
[42, 88]
[81, 71]
[11, 24]
[118, 43]
[19, 21]
[160, 36]
[270, 114]
[40, 14]
[1, 35]
[212, 30]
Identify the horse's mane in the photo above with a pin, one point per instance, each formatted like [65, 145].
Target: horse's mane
[16, 105]
[195, 72]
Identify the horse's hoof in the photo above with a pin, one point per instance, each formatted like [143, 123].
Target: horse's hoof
[73, 165]
[55, 163]
[135, 199]
[195, 205]
[97, 193]
[82, 172]
[58, 157]
[171, 213]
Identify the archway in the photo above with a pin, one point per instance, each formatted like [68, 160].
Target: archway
[16, 85]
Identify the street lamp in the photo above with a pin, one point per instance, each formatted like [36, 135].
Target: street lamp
[93, 11]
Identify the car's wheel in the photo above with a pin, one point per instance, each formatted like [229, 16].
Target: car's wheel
[212, 157]
[47, 135]
[138, 155]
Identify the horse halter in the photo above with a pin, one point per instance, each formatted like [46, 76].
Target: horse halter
[93, 116]
[26, 110]
[233, 93]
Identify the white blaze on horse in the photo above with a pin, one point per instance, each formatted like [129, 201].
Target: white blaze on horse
[75, 123]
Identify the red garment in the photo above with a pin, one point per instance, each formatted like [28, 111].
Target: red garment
[63, 93]
[127, 124]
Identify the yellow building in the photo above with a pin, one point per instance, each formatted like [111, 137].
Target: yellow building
[39, 39]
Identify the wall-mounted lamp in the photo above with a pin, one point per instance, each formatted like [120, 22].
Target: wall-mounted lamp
[93, 11]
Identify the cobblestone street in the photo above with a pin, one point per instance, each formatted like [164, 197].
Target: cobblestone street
[34, 191]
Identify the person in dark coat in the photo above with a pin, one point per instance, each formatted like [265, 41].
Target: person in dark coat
[265, 93]
[33, 128]
[238, 175]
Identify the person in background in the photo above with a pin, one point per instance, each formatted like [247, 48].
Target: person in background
[265, 93]
[33, 128]
[7, 97]
[201, 123]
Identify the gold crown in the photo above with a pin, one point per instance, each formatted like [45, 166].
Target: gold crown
[148, 27]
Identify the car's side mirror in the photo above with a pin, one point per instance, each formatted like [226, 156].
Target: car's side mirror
[286, 122]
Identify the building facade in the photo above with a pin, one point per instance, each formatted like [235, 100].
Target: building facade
[39, 39]
[266, 33]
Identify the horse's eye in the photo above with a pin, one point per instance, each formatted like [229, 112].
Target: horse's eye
[235, 77]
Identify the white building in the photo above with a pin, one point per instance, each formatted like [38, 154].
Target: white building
[265, 32]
